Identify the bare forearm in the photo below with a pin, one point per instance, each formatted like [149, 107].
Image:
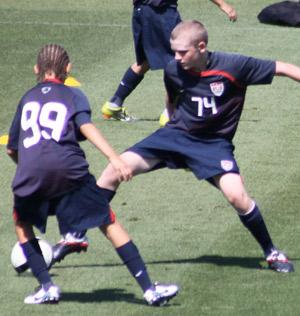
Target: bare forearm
[218, 2]
[97, 139]
[226, 8]
[288, 70]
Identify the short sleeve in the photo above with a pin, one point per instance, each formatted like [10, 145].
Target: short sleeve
[252, 71]
[14, 131]
[82, 108]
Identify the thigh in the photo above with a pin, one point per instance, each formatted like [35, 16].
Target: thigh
[139, 164]
[232, 186]
[109, 178]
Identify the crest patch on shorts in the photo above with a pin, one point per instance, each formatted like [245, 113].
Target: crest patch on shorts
[227, 165]
[217, 88]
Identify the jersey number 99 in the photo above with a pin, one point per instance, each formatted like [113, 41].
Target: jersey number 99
[50, 115]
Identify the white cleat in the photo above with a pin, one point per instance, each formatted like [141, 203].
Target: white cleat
[41, 296]
[160, 294]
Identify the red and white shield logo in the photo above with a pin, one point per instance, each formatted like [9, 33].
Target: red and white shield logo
[227, 165]
[217, 88]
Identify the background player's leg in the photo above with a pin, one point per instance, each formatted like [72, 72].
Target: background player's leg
[114, 107]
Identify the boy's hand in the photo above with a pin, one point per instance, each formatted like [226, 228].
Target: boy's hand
[125, 173]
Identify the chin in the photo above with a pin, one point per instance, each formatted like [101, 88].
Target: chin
[185, 67]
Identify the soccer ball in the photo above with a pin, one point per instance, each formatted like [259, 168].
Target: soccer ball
[19, 261]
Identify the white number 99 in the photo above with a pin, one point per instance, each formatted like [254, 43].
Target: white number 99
[35, 117]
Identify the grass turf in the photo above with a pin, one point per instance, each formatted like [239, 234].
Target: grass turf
[185, 230]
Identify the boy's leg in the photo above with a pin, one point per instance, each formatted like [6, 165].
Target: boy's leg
[75, 241]
[70, 243]
[154, 294]
[114, 107]
[48, 292]
[233, 189]
[108, 182]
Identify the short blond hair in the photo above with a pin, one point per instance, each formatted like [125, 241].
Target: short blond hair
[191, 29]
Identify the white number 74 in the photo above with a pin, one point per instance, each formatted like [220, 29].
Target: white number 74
[204, 102]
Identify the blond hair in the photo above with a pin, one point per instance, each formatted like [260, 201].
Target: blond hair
[191, 29]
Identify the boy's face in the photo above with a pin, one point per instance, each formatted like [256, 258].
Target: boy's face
[189, 55]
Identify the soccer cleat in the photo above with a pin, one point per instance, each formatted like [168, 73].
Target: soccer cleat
[116, 113]
[279, 262]
[164, 118]
[67, 245]
[160, 294]
[41, 296]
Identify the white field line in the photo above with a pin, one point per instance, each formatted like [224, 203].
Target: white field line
[61, 23]
[269, 28]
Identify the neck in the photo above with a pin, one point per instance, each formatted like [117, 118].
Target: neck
[52, 79]
[202, 65]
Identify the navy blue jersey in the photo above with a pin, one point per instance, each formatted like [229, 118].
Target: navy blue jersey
[210, 103]
[45, 132]
[156, 3]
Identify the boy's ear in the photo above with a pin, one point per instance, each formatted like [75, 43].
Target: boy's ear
[36, 69]
[69, 67]
[202, 47]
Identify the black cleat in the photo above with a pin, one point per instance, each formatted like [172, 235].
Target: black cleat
[279, 262]
[68, 245]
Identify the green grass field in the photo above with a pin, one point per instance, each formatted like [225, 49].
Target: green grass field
[185, 230]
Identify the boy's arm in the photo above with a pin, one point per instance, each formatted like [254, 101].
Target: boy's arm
[96, 138]
[288, 70]
[13, 154]
[228, 9]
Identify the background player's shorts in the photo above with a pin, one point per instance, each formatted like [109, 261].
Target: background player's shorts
[177, 148]
[76, 211]
[152, 29]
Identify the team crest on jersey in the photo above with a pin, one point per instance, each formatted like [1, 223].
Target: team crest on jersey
[45, 90]
[217, 88]
[227, 165]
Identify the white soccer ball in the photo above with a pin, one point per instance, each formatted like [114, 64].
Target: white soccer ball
[18, 259]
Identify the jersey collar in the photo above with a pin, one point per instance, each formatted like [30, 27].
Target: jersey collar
[54, 80]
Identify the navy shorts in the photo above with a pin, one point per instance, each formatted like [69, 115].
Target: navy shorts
[76, 211]
[152, 29]
[177, 149]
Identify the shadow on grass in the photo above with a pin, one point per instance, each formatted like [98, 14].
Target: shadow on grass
[243, 262]
[100, 296]
[138, 119]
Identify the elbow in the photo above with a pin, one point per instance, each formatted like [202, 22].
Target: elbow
[10, 152]
[13, 154]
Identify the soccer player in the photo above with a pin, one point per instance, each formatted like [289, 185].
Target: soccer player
[153, 51]
[152, 23]
[205, 97]
[52, 176]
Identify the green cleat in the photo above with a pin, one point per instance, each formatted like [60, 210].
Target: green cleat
[116, 113]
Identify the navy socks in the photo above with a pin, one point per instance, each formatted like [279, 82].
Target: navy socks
[128, 83]
[255, 223]
[36, 262]
[135, 264]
